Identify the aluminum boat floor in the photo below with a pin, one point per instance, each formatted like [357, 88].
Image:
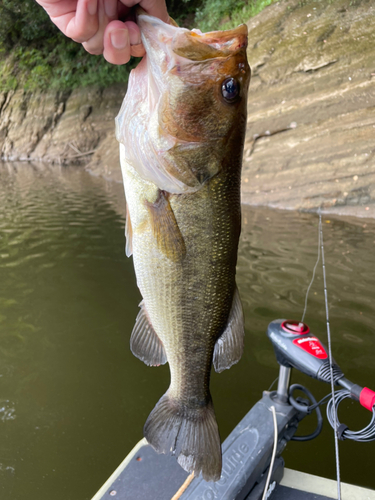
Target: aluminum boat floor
[145, 475]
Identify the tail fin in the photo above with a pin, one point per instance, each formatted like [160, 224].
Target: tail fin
[191, 435]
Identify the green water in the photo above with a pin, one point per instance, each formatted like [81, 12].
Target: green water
[73, 399]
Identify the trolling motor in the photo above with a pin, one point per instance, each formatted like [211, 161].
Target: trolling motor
[296, 347]
[252, 461]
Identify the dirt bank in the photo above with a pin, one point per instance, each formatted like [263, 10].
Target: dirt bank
[311, 123]
[57, 127]
[311, 115]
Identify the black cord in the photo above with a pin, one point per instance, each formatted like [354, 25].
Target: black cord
[343, 432]
[301, 406]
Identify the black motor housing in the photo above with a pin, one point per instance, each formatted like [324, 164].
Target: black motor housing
[296, 347]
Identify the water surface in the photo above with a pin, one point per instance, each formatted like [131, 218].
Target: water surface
[73, 399]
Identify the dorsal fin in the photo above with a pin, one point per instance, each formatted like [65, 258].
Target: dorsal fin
[144, 342]
[229, 346]
[165, 228]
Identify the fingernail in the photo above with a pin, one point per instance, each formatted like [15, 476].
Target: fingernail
[120, 39]
[136, 40]
[134, 34]
[92, 6]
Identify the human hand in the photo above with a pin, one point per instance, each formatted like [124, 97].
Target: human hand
[103, 26]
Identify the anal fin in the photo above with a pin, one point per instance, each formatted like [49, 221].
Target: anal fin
[144, 341]
[165, 228]
[128, 234]
[229, 346]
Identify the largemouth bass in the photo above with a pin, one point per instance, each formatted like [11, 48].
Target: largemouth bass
[181, 129]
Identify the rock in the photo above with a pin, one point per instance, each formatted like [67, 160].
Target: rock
[24, 121]
[60, 127]
[105, 161]
[311, 123]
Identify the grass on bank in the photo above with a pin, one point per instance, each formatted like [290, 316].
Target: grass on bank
[226, 14]
[34, 55]
[65, 66]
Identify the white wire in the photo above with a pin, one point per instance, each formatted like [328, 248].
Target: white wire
[275, 438]
[313, 277]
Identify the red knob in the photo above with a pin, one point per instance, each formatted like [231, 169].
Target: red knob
[296, 327]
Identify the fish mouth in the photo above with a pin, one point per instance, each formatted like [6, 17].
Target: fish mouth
[174, 121]
[190, 56]
[191, 45]
[198, 46]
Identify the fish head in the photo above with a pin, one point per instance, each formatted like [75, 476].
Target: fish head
[187, 100]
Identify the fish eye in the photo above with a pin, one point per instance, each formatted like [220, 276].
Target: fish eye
[230, 89]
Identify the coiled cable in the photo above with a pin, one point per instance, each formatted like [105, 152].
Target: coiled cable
[343, 432]
[365, 435]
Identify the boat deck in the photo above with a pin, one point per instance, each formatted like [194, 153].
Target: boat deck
[145, 475]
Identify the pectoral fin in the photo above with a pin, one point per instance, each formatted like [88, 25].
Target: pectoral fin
[229, 346]
[165, 228]
[128, 234]
[144, 342]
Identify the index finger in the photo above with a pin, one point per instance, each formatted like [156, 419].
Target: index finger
[76, 19]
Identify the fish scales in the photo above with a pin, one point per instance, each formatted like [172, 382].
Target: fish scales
[183, 223]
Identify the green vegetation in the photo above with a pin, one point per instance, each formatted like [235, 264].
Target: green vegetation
[226, 14]
[34, 54]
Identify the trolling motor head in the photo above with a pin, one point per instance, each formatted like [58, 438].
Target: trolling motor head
[296, 347]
